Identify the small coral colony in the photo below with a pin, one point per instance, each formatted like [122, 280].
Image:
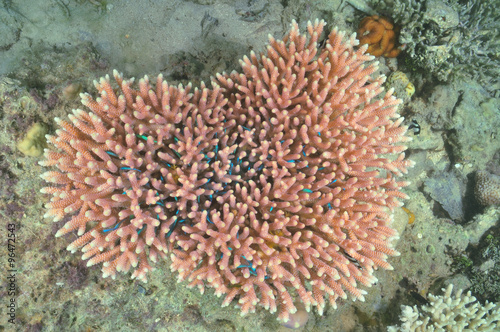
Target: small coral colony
[274, 185]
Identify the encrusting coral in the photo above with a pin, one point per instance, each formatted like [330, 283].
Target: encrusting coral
[33, 143]
[403, 88]
[380, 35]
[277, 183]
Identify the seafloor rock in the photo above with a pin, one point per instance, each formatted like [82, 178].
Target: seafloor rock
[447, 189]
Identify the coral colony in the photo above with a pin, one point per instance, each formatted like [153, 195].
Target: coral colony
[380, 35]
[273, 185]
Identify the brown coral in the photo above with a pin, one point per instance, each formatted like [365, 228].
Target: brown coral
[487, 189]
[380, 35]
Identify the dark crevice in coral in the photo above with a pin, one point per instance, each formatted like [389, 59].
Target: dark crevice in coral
[422, 190]
[457, 103]
[284, 3]
[450, 145]
[7, 47]
[439, 212]
[483, 266]
[471, 206]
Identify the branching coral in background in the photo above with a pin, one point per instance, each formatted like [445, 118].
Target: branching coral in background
[449, 38]
[456, 313]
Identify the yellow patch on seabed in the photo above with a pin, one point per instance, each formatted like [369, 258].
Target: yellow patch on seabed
[410, 89]
[34, 142]
[404, 81]
[411, 216]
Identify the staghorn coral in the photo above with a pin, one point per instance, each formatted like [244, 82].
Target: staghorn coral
[456, 313]
[131, 169]
[276, 183]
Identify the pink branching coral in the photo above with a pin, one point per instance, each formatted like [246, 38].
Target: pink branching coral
[275, 184]
[132, 169]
